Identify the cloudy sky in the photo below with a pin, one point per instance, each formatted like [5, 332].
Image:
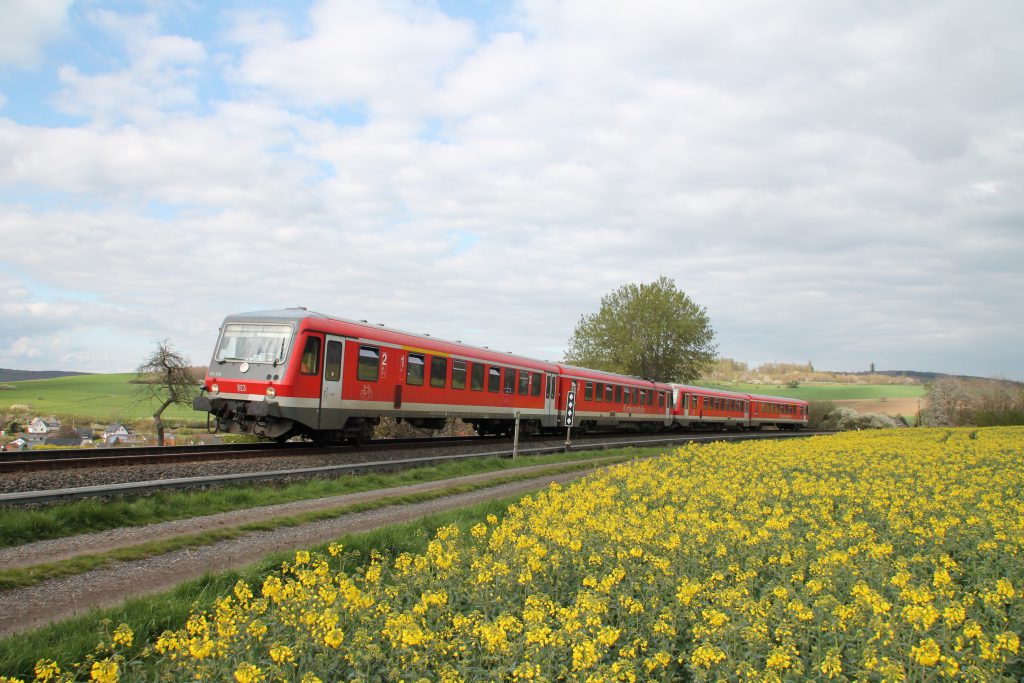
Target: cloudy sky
[838, 182]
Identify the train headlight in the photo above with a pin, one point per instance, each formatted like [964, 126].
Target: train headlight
[214, 389]
[271, 392]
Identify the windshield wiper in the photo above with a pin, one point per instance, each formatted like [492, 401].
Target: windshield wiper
[280, 354]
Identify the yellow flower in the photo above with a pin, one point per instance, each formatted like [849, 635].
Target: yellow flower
[927, 653]
[46, 670]
[832, 665]
[123, 635]
[282, 654]
[248, 673]
[105, 671]
[334, 637]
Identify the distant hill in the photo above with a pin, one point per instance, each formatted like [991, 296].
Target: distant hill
[928, 377]
[19, 375]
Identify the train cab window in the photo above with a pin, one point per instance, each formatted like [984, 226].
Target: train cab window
[369, 363]
[494, 379]
[476, 377]
[438, 372]
[414, 371]
[618, 394]
[310, 364]
[510, 380]
[332, 362]
[458, 374]
[588, 391]
[524, 383]
[534, 384]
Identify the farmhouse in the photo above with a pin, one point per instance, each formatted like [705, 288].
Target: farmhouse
[41, 425]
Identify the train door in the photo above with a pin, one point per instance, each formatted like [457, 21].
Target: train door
[330, 394]
[550, 406]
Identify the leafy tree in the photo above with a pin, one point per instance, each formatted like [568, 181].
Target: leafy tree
[165, 376]
[650, 330]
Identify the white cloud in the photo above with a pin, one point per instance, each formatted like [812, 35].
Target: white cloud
[26, 26]
[388, 56]
[831, 185]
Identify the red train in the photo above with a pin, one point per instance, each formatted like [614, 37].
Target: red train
[291, 372]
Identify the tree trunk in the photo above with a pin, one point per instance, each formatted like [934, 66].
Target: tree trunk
[159, 423]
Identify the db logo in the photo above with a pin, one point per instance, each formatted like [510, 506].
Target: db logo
[240, 388]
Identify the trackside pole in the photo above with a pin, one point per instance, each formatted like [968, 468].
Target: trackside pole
[570, 412]
[515, 438]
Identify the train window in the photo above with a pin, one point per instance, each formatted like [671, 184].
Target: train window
[661, 399]
[635, 395]
[618, 394]
[510, 380]
[524, 383]
[608, 393]
[598, 393]
[438, 372]
[494, 379]
[369, 363]
[310, 364]
[707, 402]
[458, 374]
[414, 371]
[650, 397]
[476, 377]
[588, 391]
[534, 384]
[625, 395]
[332, 363]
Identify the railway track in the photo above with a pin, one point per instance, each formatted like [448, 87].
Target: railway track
[73, 458]
[21, 498]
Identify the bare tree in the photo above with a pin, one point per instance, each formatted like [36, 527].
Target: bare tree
[165, 377]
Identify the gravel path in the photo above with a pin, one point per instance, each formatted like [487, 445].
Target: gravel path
[59, 599]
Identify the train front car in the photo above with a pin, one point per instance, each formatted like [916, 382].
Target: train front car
[253, 384]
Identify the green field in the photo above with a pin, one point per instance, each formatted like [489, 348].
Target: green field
[99, 398]
[827, 392]
[108, 398]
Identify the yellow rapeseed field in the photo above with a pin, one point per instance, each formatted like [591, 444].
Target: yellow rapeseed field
[875, 556]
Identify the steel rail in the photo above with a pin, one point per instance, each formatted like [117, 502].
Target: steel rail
[134, 488]
[72, 459]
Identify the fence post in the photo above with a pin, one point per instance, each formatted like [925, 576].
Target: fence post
[515, 439]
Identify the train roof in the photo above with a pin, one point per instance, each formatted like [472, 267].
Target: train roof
[606, 376]
[297, 315]
[738, 394]
[761, 397]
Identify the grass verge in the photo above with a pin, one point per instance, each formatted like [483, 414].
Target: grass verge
[26, 525]
[29, 576]
[74, 639]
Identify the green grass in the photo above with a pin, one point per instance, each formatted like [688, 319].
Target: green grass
[74, 639]
[98, 398]
[25, 525]
[826, 392]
